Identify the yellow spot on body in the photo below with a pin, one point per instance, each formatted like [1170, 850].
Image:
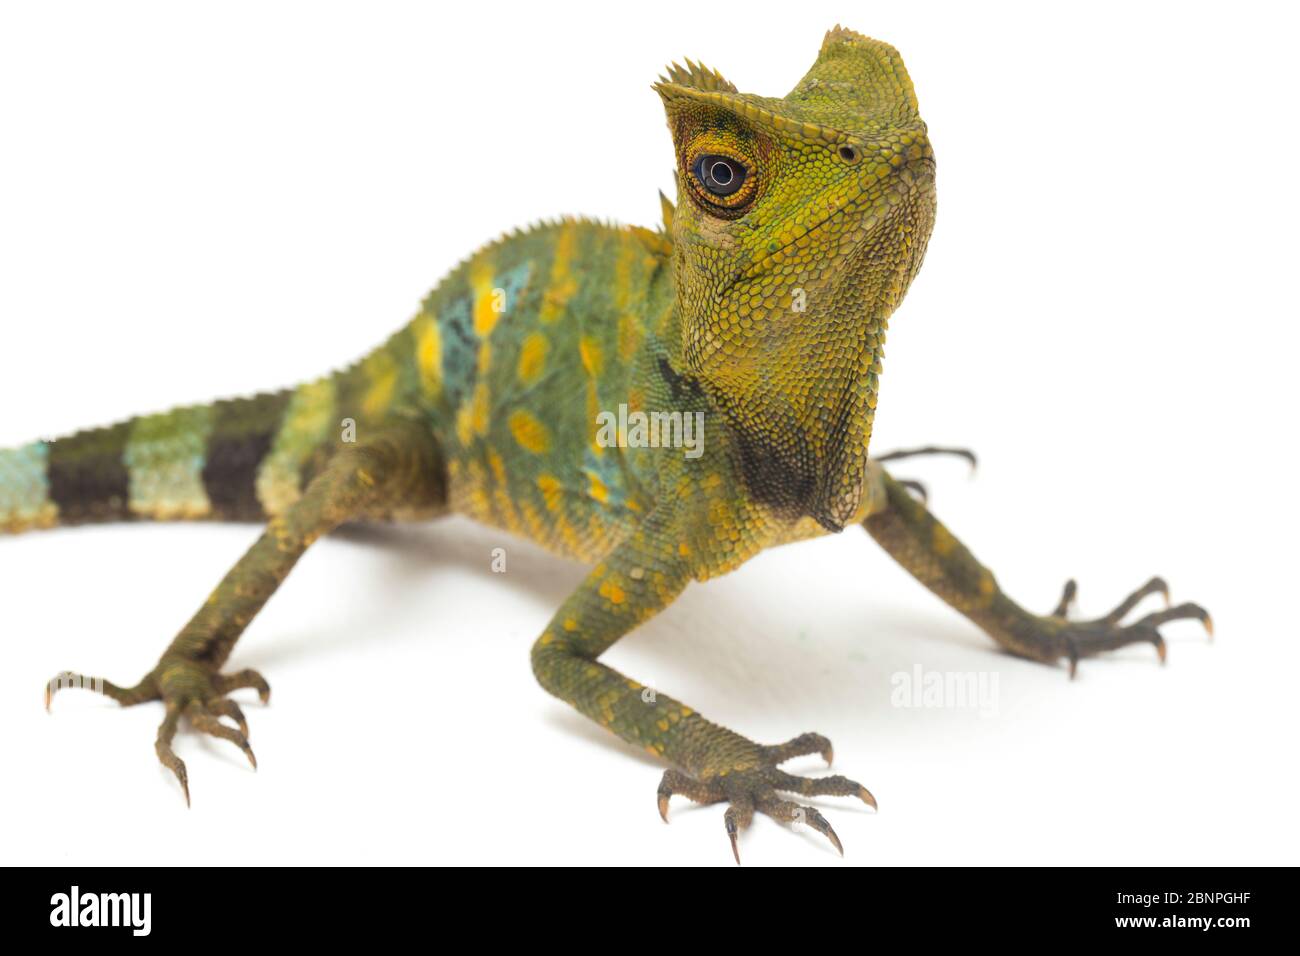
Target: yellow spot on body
[612, 592]
[529, 432]
[532, 358]
[480, 280]
[593, 410]
[593, 358]
[570, 624]
[464, 427]
[536, 527]
[428, 354]
[551, 490]
[597, 488]
[944, 542]
[381, 371]
[485, 358]
[684, 549]
[562, 284]
[501, 494]
[480, 507]
[472, 416]
[480, 408]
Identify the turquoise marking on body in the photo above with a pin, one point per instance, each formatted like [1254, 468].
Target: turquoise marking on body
[164, 458]
[606, 468]
[459, 349]
[24, 485]
[513, 282]
[460, 343]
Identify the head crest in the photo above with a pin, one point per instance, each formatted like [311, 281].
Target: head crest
[858, 85]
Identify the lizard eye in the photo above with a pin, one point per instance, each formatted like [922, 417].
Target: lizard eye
[720, 175]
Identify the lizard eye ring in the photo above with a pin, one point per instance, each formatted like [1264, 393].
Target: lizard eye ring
[850, 154]
[720, 175]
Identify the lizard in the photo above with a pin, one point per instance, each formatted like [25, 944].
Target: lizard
[757, 312]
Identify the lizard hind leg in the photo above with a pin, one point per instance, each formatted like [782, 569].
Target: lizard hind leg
[397, 472]
[188, 690]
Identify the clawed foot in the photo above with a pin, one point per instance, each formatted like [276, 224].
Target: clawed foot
[187, 688]
[756, 785]
[1078, 639]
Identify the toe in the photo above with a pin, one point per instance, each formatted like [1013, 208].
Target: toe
[737, 818]
[801, 746]
[225, 683]
[163, 748]
[203, 720]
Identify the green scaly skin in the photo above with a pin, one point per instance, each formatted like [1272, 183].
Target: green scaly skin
[763, 310]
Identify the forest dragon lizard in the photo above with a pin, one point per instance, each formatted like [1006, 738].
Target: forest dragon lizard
[759, 310]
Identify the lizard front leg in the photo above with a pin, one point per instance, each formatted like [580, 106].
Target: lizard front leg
[712, 764]
[396, 472]
[919, 542]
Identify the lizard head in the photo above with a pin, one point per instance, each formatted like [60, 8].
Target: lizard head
[799, 225]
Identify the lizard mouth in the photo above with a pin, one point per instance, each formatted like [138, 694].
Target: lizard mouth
[913, 175]
[759, 267]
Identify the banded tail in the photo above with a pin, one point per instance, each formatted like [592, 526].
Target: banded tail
[236, 460]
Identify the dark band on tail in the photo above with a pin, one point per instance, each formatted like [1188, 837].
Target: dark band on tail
[88, 477]
[242, 433]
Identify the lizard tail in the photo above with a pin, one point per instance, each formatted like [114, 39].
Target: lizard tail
[237, 460]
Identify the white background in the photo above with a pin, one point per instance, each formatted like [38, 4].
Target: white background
[196, 204]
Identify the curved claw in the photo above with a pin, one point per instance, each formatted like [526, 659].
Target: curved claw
[733, 835]
[1156, 585]
[1183, 612]
[737, 818]
[674, 782]
[224, 707]
[163, 748]
[203, 721]
[823, 826]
